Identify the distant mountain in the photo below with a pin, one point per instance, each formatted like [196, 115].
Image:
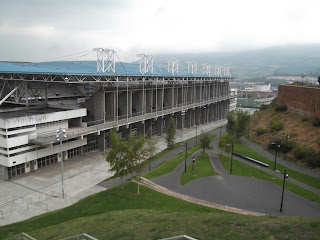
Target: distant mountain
[279, 60]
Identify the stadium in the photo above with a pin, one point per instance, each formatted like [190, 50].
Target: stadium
[88, 98]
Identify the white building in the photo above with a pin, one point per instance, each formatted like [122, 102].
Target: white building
[20, 131]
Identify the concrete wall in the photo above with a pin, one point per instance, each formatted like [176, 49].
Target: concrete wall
[304, 101]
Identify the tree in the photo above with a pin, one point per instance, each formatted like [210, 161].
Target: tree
[171, 134]
[151, 145]
[126, 156]
[238, 123]
[117, 157]
[205, 141]
[225, 142]
[319, 80]
[138, 154]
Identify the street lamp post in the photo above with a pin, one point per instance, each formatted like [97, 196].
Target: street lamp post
[196, 135]
[285, 152]
[183, 112]
[60, 136]
[275, 158]
[193, 160]
[285, 175]
[185, 161]
[231, 158]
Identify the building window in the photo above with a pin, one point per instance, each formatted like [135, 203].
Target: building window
[16, 170]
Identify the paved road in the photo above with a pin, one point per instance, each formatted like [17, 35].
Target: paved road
[240, 192]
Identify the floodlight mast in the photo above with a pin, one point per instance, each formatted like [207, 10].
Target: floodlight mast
[193, 67]
[206, 69]
[146, 63]
[173, 66]
[105, 60]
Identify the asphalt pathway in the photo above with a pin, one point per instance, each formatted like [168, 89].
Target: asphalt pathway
[236, 191]
[240, 192]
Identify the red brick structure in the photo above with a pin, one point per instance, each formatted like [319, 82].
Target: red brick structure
[305, 101]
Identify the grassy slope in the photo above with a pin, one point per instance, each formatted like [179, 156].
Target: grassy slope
[122, 214]
[242, 169]
[244, 150]
[201, 168]
[172, 163]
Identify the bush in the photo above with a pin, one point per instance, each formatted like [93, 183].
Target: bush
[260, 131]
[276, 125]
[302, 152]
[313, 160]
[316, 122]
[263, 107]
[281, 108]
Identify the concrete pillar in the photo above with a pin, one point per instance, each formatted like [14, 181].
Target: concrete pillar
[4, 173]
[166, 121]
[192, 117]
[148, 127]
[197, 115]
[101, 141]
[159, 100]
[188, 117]
[167, 97]
[159, 125]
[140, 128]
[149, 99]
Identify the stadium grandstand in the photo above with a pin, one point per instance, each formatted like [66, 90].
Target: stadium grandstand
[87, 98]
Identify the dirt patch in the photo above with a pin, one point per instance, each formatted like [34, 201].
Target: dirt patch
[299, 129]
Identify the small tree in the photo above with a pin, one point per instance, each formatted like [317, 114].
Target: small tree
[151, 145]
[138, 154]
[225, 142]
[205, 141]
[171, 134]
[238, 123]
[117, 157]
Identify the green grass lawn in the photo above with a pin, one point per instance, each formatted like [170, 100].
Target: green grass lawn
[309, 180]
[242, 169]
[122, 214]
[172, 163]
[160, 154]
[201, 168]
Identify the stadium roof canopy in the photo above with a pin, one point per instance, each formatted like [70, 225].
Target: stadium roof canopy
[85, 68]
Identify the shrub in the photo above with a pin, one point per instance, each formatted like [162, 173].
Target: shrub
[313, 160]
[263, 107]
[302, 152]
[271, 146]
[316, 122]
[276, 125]
[260, 131]
[305, 119]
[281, 108]
[282, 142]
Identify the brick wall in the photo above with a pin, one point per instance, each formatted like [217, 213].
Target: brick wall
[304, 101]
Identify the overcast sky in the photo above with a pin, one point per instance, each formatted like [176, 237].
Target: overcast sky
[37, 30]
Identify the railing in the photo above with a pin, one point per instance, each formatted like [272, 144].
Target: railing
[179, 237]
[82, 236]
[51, 137]
[21, 236]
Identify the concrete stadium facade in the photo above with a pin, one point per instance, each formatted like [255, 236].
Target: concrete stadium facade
[131, 104]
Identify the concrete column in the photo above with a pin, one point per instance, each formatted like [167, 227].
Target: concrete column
[197, 115]
[148, 127]
[188, 118]
[149, 101]
[159, 125]
[192, 117]
[101, 141]
[140, 128]
[166, 120]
